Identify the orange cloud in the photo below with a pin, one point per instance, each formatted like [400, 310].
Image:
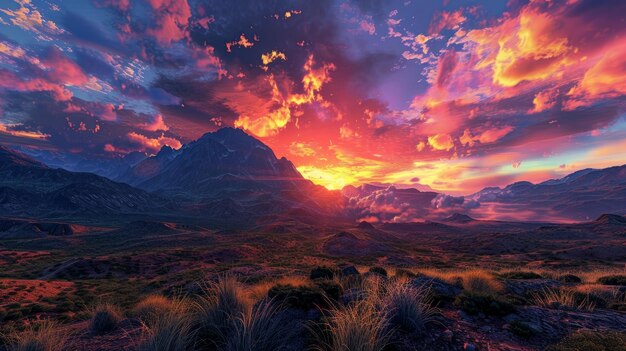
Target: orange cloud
[273, 56]
[606, 79]
[158, 124]
[441, 142]
[242, 42]
[270, 123]
[153, 144]
[544, 100]
[8, 129]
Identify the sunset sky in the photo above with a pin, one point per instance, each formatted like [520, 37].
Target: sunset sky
[457, 95]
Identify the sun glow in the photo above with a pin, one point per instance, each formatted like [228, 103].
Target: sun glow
[332, 178]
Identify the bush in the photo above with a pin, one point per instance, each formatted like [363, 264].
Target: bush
[322, 273]
[150, 308]
[358, 326]
[474, 304]
[221, 303]
[332, 289]
[570, 278]
[404, 273]
[408, 308]
[522, 329]
[521, 275]
[591, 341]
[613, 280]
[480, 283]
[378, 270]
[303, 297]
[171, 331]
[261, 327]
[104, 318]
[44, 336]
[564, 299]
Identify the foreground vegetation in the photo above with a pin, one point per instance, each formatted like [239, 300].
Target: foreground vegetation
[335, 309]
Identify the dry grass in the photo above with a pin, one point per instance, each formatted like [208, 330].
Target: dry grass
[259, 291]
[217, 310]
[589, 276]
[44, 336]
[150, 308]
[563, 298]
[480, 283]
[171, 330]
[261, 327]
[105, 317]
[359, 326]
[408, 307]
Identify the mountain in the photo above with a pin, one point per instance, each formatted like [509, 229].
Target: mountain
[580, 196]
[148, 167]
[111, 168]
[230, 171]
[30, 188]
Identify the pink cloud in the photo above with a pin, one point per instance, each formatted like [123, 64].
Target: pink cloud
[153, 145]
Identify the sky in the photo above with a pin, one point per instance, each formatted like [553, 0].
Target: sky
[456, 95]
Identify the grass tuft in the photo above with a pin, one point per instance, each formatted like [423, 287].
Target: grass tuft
[170, 331]
[563, 299]
[44, 336]
[408, 308]
[105, 317]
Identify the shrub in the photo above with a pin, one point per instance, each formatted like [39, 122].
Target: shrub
[44, 336]
[322, 273]
[521, 275]
[332, 289]
[303, 297]
[480, 283]
[613, 280]
[378, 270]
[358, 326]
[404, 273]
[563, 299]
[569, 278]
[104, 318]
[151, 307]
[171, 331]
[261, 327]
[221, 303]
[522, 329]
[408, 307]
[591, 341]
[475, 303]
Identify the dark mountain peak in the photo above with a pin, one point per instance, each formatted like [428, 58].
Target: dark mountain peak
[167, 152]
[365, 225]
[459, 218]
[12, 158]
[610, 219]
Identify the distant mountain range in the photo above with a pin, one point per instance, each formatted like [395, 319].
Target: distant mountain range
[225, 176]
[30, 188]
[580, 196]
[229, 176]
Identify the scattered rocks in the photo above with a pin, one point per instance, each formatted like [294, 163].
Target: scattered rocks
[439, 288]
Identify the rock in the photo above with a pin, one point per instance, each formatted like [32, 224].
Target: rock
[469, 347]
[448, 334]
[349, 270]
[439, 288]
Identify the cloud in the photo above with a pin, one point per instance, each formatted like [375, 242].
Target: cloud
[152, 145]
[441, 142]
[446, 20]
[272, 122]
[171, 20]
